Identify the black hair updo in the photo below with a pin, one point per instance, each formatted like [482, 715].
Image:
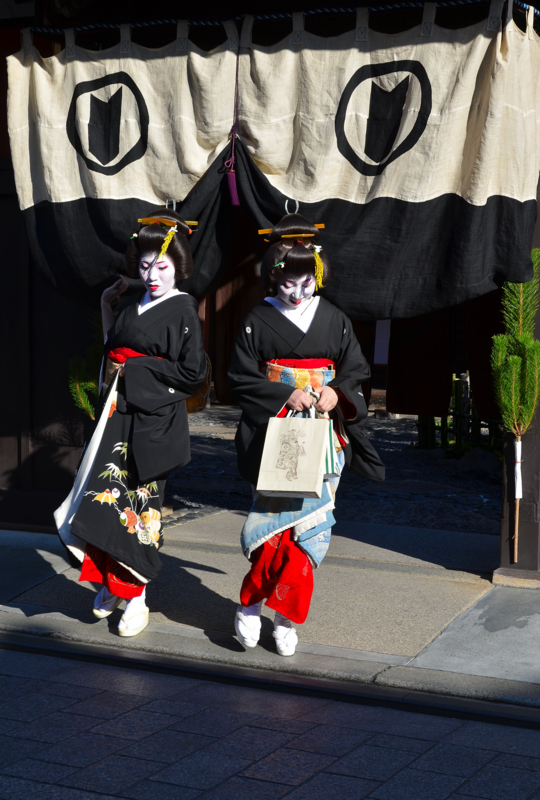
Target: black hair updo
[150, 239]
[296, 252]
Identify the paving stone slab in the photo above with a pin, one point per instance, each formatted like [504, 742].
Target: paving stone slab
[323, 786]
[454, 760]
[375, 763]
[82, 750]
[500, 738]
[499, 637]
[167, 746]
[134, 725]
[111, 775]
[251, 743]
[411, 784]
[329, 740]
[31, 769]
[19, 789]
[151, 790]
[201, 770]
[54, 728]
[291, 767]
[246, 789]
[501, 783]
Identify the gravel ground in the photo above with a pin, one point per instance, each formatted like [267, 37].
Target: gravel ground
[420, 490]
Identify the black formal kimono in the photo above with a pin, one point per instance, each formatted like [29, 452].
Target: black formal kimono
[267, 334]
[141, 435]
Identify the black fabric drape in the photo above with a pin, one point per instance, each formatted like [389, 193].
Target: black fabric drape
[80, 245]
[390, 258]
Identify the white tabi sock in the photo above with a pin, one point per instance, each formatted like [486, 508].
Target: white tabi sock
[135, 605]
[252, 611]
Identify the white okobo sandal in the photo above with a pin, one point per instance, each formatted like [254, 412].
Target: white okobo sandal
[135, 617]
[104, 607]
[134, 624]
[285, 635]
[248, 626]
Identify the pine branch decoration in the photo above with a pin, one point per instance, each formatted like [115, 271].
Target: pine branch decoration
[515, 363]
[80, 386]
[84, 371]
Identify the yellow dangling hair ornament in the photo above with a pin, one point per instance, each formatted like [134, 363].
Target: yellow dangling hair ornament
[319, 268]
[167, 240]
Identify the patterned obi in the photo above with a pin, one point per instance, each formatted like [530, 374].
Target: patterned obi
[300, 372]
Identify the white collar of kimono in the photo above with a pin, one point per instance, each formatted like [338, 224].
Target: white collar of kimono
[147, 302]
[301, 316]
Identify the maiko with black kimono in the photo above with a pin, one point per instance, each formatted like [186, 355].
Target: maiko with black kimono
[153, 361]
[293, 350]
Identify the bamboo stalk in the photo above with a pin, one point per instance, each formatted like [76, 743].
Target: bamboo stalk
[518, 491]
[516, 531]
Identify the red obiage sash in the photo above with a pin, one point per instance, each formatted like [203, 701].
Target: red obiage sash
[121, 354]
[303, 363]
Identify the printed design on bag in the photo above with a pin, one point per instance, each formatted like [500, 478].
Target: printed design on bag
[290, 450]
[132, 505]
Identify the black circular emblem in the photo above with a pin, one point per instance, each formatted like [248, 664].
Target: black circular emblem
[375, 71]
[137, 151]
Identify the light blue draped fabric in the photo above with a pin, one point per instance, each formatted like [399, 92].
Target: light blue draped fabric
[271, 515]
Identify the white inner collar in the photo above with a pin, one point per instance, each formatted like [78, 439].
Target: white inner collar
[301, 316]
[147, 301]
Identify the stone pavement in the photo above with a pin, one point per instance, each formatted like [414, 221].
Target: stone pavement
[73, 730]
[399, 607]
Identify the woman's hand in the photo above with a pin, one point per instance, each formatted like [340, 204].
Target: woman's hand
[328, 399]
[107, 297]
[114, 291]
[121, 369]
[299, 400]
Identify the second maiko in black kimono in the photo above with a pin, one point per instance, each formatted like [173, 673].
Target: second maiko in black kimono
[267, 334]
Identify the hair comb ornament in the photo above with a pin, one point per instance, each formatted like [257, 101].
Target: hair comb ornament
[319, 225]
[166, 223]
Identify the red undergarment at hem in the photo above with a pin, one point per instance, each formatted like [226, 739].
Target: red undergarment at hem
[282, 573]
[99, 567]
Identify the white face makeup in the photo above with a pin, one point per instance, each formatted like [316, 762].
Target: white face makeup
[160, 279]
[294, 291]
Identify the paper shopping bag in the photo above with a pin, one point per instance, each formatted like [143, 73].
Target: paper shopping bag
[294, 457]
[332, 468]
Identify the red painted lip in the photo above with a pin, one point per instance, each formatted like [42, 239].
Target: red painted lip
[296, 303]
[153, 287]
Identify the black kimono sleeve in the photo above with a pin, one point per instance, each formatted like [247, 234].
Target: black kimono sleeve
[153, 383]
[353, 370]
[258, 397]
